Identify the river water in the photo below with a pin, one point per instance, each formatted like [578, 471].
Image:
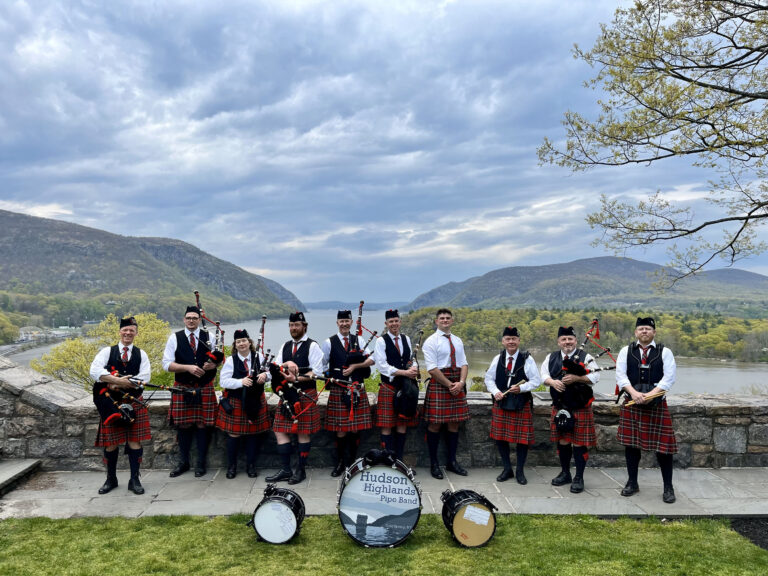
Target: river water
[694, 375]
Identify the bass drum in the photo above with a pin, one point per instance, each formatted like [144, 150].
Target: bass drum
[379, 502]
[278, 517]
[469, 517]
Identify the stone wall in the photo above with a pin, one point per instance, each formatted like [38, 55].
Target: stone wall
[57, 422]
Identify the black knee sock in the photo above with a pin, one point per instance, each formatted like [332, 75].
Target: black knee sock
[503, 448]
[564, 452]
[522, 454]
[580, 456]
[386, 442]
[304, 453]
[284, 451]
[632, 456]
[453, 446]
[252, 444]
[201, 435]
[184, 437]
[232, 445]
[110, 459]
[134, 459]
[400, 445]
[665, 463]
[341, 448]
[353, 441]
[433, 439]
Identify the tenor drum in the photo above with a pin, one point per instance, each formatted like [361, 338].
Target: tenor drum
[379, 502]
[469, 517]
[277, 518]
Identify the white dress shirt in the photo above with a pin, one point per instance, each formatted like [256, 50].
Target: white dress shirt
[326, 347]
[98, 370]
[169, 354]
[668, 359]
[531, 374]
[437, 351]
[380, 354]
[589, 362]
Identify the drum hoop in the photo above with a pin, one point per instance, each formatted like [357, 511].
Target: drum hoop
[273, 494]
[465, 497]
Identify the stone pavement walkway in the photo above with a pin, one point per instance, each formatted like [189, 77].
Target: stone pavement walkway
[708, 492]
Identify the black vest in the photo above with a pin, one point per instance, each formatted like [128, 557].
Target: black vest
[396, 359]
[184, 355]
[644, 377]
[518, 372]
[115, 363]
[556, 362]
[301, 359]
[238, 368]
[338, 358]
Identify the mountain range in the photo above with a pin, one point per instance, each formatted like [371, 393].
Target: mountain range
[73, 265]
[603, 282]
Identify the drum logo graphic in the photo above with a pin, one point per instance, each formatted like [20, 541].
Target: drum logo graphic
[379, 506]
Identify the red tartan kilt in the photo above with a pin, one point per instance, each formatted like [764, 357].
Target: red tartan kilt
[237, 423]
[510, 426]
[116, 435]
[181, 414]
[440, 406]
[647, 429]
[337, 415]
[583, 433]
[309, 421]
[385, 410]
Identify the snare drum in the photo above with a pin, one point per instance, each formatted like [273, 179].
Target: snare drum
[379, 502]
[469, 517]
[277, 518]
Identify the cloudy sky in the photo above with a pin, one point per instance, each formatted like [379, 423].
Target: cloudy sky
[346, 149]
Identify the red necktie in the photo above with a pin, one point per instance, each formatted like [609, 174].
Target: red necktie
[124, 357]
[295, 347]
[346, 344]
[453, 350]
[397, 342]
[245, 363]
[192, 343]
[644, 357]
[509, 365]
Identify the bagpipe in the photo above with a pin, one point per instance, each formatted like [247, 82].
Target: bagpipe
[215, 353]
[251, 395]
[579, 394]
[351, 391]
[115, 407]
[290, 394]
[356, 355]
[406, 399]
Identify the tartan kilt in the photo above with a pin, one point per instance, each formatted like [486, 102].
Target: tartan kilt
[237, 423]
[647, 428]
[180, 413]
[113, 434]
[309, 422]
[511, 426]
[385, 410]
[440, 406]
[583, 433]
[337, 416]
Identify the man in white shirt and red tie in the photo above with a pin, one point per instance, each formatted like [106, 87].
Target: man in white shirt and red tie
[187, 355]
[446, 398]
[510, 378]
[645, 371]
[111, 371]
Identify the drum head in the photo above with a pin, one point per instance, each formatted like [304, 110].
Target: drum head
[275, 521]
[473, 524]
[379, 506]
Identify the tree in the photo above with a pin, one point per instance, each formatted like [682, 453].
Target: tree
[683, 78]
[71, 360]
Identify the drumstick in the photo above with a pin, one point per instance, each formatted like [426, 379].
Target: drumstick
[510, 389]
[649, 397]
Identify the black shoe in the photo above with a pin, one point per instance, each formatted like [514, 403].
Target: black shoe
[436, 472]
[562, 479]
[279, 476]
[505, 475]
[578, 485]
[252, 471]
[630, 488]
[231, 472]
[456, 468]
[200, 471]
[135, 486]
[298, 476]
[338, 470]
[109, 485]
[521, 479]
[179, 470]
[669, 494]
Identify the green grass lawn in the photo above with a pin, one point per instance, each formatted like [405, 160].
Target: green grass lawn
[523, 545]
